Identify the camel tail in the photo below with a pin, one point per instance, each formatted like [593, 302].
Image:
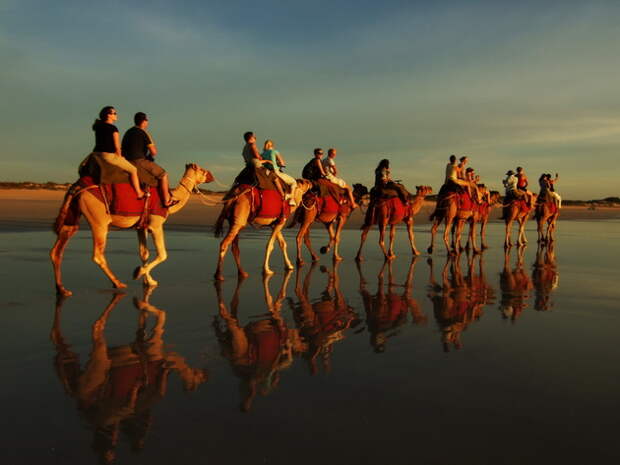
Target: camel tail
[64, 211]
[219, 224]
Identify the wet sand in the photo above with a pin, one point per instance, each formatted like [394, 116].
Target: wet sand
[37, 209]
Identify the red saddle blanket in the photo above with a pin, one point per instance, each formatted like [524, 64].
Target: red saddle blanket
[266, 203]
[522, 205]
[466, 203]
[122, 201]
[552, 206]
[395, 209]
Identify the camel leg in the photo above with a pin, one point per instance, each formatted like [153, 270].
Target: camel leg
[157, 232]
[56, 255]
[143, 249]
[411, 235]
[331, 238]
[507, 240]
[268, 250]
[363, 237]
[301, 236]
[338, 232]
[472, 236]
[446, 235]
[522, 239]
[241, 273]
[100, 234]
[382, 228]
[283, 246]
[483, 235]
[434, 228]
[391, 254]
[308, 244]
[233, 231]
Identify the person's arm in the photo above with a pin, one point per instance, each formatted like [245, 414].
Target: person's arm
[279, 160]
[152, 148]
[333, 168]
[255, 153]
[318, 163]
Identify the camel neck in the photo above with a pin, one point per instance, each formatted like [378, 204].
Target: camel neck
[182, 193]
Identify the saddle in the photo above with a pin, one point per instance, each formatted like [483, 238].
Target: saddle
[265, 203]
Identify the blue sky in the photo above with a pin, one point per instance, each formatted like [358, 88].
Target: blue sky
[532, 84]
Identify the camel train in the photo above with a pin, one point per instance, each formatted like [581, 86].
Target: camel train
[262, 206]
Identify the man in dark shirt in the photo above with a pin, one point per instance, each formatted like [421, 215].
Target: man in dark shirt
[138, 147]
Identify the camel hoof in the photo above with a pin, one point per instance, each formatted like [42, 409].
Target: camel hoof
[315, 258]
[484, 246]
[359, 258]
[242, 274]
[151, 283]
[138, 272]
[268, 272]
[415, 252]
[429, 250]
[120, 285]
[338, 258]
[61, 291]
[218, 277]
[323, 250]
[300, 263]
[288, 266]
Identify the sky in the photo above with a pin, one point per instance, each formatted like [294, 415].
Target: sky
[529, 83]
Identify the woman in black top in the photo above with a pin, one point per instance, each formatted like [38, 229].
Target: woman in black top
[108, 147]
[383, 179]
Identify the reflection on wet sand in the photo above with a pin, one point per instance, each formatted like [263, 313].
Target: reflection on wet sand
[385, 313]
[545, 276]
[261, 349]
[322, 322]
[459, 300]
[515, 286]
[119, 386]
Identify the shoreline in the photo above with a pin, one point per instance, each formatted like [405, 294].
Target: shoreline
[36, 209]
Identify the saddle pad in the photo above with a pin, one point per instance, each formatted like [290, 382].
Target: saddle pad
[266, 202]
[465, 201]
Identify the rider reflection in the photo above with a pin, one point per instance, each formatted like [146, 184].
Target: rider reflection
[260, 350]
[120, 385]
[459, 300]
[545, 276]
[515, 285]
[385, 313]
[323, 322]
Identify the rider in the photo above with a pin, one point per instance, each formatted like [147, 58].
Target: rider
[139, 148]
[329, 166]
[272, 159]
[383, 180]
[522, 184]
[547, 187]
[510, 184]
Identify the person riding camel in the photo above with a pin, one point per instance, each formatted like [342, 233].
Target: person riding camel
[510, 186]
[139, 148]
[253, 162]
[329, 166]
[383, 181]
[314, 171]
[522, 184]
[108, 148]
[272, 159]
[547, 189]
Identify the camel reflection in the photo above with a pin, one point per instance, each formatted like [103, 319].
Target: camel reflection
[385, 313]
[515, 285]
[260, 350]
[119, 386]
[459, 300]
[323, 322]
[545, 276]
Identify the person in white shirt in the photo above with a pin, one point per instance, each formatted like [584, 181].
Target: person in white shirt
[331, 174]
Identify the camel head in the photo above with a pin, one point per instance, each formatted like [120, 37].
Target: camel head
[197, 174]
[495, 197]
[361, 195]
[423, 190]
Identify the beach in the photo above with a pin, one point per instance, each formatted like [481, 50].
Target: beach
[37, 209]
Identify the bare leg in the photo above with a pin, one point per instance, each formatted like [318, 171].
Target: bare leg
[56, 255]
[164, 189]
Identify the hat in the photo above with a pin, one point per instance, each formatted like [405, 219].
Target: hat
[509, 172]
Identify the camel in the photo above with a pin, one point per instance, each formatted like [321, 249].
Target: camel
[546, 212]
[517, 210]
[237, 212]
[100, 220]
[333, 222]
[454, 219]
[384, 217]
